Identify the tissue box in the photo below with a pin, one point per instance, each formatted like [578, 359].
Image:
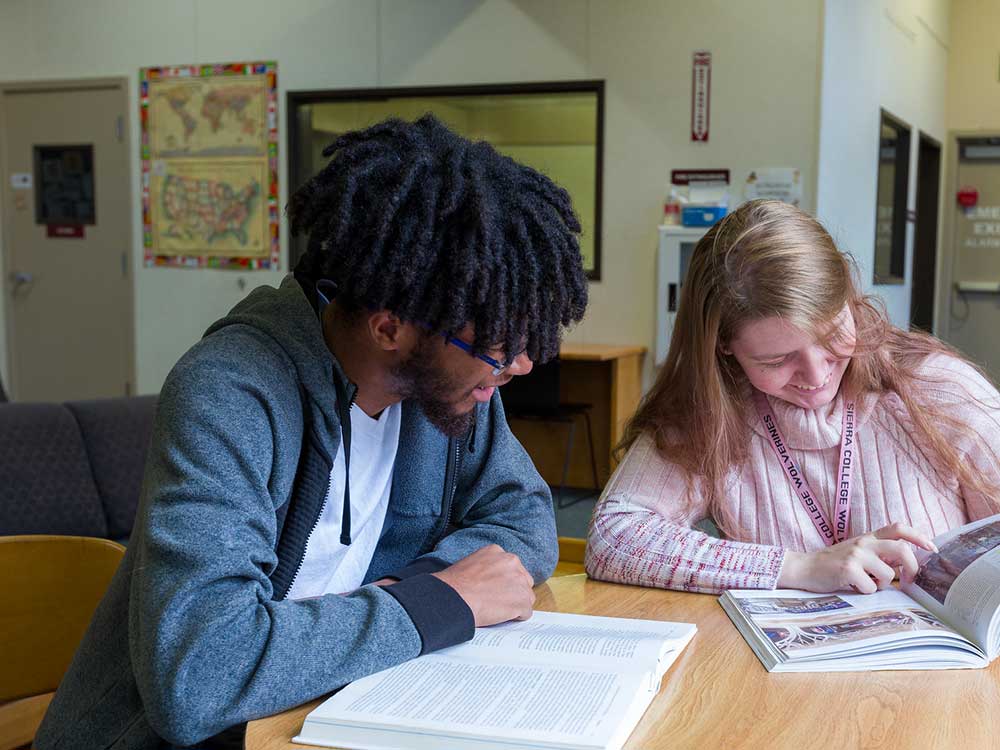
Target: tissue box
[701, 216]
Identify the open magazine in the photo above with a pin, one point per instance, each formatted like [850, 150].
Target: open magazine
[948, 618]
[554, 681]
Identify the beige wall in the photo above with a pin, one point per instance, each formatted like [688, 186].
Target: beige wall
[765, 102]
[971, 320]
[974, 66]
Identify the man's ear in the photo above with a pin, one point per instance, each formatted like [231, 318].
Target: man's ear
[390, 333]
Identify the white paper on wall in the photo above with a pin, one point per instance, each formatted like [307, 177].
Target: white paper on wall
[778, 183]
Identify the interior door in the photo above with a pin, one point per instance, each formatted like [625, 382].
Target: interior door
[67, 237]
[975, 245]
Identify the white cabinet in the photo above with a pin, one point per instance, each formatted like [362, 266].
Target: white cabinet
[672, 259]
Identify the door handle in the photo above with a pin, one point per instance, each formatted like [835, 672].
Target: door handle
[21, 279]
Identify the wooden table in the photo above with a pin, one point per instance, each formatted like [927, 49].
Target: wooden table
[609, 376]
[717, 695]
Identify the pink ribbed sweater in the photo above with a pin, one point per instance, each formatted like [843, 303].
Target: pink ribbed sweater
[641, 532]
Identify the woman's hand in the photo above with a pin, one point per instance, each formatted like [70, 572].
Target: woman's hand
[866, 563]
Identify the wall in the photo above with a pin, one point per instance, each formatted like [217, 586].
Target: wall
[890, 54]
[974, 66]
[765, 105]
[973, 106]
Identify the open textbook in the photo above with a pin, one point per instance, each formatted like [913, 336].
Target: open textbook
[948, 618]
[554, 681]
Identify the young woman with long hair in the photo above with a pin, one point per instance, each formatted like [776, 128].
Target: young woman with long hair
[821, 440]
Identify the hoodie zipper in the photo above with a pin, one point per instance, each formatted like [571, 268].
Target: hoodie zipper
[302, 559]
[322, 507]
[447, 494]
[450, 511]
[452, 487]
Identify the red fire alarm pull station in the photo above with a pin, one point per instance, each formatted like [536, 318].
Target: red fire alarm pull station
[968, 197]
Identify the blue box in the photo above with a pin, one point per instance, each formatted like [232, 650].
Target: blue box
[701, 216]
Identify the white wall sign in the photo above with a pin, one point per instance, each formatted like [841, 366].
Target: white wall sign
[981, 227]
[21, 180]
[701, 94]
[779, 183]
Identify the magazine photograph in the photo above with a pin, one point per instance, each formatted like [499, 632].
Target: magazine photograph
[947, 618]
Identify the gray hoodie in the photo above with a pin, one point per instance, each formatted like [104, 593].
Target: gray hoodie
[194, 634]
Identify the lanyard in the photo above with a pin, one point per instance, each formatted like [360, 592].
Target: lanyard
[842, 512]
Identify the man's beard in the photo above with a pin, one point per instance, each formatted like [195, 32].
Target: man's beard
[421, 380]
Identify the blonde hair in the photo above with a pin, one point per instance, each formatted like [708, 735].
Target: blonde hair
[769, 259]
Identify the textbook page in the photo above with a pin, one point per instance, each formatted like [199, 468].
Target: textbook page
[961, 582]
[444, 702]
[566, 639]
[556, 680]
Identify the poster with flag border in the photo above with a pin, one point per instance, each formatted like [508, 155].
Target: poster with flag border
[191, 216]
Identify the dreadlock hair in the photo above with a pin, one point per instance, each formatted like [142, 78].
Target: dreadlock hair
[412, 218]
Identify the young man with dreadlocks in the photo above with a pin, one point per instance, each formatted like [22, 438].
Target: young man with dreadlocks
[332, 487]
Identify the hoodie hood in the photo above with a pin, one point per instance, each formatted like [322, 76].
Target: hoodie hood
[291, 319]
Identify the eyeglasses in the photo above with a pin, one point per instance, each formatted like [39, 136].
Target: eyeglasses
[497, 366]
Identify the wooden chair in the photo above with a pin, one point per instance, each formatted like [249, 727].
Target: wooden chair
[571, 552]
[54, 584]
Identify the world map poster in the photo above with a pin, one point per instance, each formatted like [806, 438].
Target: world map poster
[210, 165]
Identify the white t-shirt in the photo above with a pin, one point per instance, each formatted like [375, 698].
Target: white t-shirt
[328, 566]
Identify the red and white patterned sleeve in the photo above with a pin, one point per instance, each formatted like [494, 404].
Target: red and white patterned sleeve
[955, 386]
[641, 534]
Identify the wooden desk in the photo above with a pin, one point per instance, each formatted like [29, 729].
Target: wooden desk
[717, 695]
[610, 378]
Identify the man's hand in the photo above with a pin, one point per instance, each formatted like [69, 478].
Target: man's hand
[866, 563]
[493, 583]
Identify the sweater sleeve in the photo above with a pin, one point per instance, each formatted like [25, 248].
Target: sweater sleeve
[957, 388]
[641, 533]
